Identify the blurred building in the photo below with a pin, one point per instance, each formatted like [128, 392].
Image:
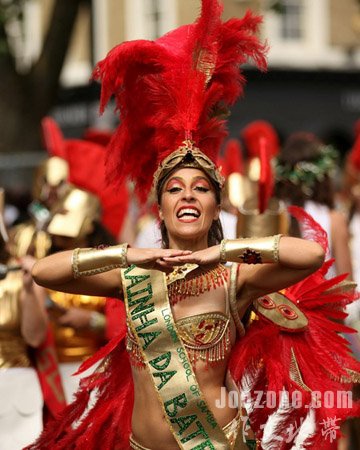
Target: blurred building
[301, 33]
[314, 58]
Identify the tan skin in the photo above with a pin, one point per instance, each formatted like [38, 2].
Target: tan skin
[77, 318]
[33, 313]
[190, 188]
[340, 238]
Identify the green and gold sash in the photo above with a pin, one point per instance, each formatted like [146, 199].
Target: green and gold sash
[150, 319]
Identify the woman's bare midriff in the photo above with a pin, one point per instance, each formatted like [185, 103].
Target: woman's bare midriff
[149, 425]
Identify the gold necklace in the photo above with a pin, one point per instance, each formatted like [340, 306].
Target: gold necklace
[180, 287]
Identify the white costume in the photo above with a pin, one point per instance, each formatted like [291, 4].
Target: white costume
[21, 400]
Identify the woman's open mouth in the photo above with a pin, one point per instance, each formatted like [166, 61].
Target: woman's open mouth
[188, 214]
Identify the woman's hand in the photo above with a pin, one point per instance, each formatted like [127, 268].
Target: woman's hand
[210, 255]
[75, 318]
[156, 258]
[27, 263]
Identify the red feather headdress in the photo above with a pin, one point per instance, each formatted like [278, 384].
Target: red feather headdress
[252, 134]
[175, 89]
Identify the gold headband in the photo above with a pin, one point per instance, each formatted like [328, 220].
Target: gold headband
[187, 156]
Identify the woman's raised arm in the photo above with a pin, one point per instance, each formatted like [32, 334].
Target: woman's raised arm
[96, 271]
[297, 259]
[56, 272]
[268, 264]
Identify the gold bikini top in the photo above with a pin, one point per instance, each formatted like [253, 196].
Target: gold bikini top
[205, 336]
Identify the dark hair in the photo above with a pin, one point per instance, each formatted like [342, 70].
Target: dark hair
[99, 236]
[303, 147]
[299, 148]
[215, 235]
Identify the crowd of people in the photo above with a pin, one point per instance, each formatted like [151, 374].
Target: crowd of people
[164, 271]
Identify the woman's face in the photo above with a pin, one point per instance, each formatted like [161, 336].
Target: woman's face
[188, 204]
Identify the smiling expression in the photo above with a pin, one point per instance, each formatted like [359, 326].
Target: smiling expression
[188, 204]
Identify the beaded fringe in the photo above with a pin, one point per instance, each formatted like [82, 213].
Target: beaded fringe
[213, 354]
[193, 287]
[179, 290]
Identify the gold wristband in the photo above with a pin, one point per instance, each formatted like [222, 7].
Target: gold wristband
[251, 250]
[90, 261]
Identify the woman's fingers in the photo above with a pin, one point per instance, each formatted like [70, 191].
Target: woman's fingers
[174, 253]
[181, 260]
[172, 262]
[163, 266]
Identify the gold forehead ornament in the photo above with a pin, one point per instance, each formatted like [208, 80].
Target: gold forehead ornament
[187, 155]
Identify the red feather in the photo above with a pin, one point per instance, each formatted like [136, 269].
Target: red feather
[170, 90]
[262, 357]
[110, 415]
[86, 161]
[310, 229]
[53, 137]
[101, 137]
[323, 355]
[232, 161]
[252, 133]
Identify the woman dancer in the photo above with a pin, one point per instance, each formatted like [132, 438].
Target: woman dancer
[184, 304]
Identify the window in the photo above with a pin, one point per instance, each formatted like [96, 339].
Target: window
[292, 20]
[149, 19]
[153, 16]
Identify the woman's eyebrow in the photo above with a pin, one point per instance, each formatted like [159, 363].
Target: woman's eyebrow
[200, 178]
[193, 180]
[179, 179]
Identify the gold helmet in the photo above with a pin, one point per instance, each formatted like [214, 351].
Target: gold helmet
[51, 175]
[74, 214]
[261, 214]
[252, 223]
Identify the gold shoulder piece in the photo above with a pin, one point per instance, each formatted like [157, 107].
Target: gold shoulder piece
[277, 308]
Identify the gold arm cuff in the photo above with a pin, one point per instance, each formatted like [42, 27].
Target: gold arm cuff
[90, 261]
[251, 250]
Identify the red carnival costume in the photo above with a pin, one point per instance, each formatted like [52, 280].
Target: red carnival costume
[171, 94]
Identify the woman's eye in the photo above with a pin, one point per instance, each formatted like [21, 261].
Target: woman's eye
[202, 189]
[174, 189]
